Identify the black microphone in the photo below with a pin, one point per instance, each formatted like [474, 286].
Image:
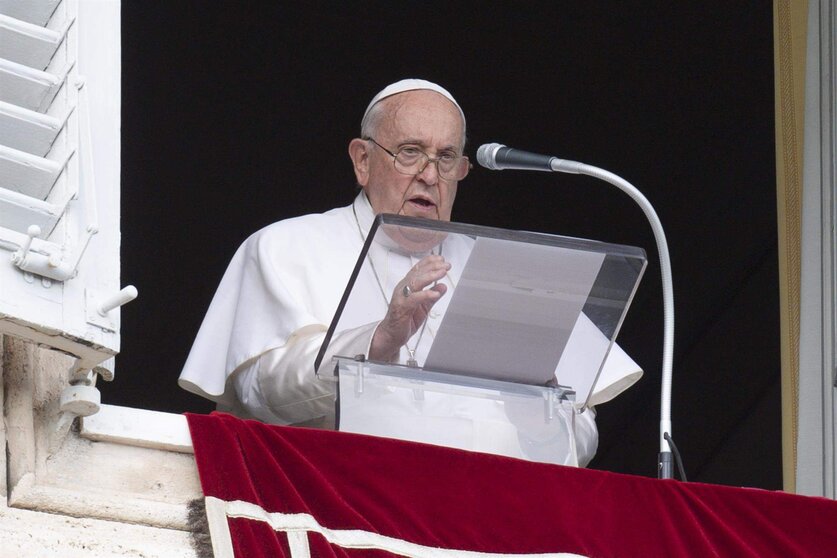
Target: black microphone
[496, 156]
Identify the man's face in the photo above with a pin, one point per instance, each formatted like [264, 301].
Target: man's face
[422, 119]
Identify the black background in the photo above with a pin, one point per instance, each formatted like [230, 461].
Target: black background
[236, 115]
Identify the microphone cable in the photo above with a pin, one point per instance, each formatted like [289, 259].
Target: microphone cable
[677, 458]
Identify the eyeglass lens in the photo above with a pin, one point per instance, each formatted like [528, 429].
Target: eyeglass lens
[410, 160]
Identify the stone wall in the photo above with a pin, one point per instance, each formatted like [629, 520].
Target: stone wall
[71, 493]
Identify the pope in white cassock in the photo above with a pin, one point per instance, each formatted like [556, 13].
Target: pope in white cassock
[254, 354]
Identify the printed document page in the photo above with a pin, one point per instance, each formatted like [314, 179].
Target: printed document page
[513, 310]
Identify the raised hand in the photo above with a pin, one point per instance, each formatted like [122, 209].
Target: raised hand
[409, 306]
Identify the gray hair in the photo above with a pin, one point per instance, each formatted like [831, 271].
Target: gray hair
[371, 120]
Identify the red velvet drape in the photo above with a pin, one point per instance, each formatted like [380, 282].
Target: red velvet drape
[440, 497]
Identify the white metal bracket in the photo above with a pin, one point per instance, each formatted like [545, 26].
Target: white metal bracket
[99, 305]
[53, 266]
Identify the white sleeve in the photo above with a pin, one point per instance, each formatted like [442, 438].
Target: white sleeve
[280, 385]
[586, 436]
[618, 374]
[551, 442]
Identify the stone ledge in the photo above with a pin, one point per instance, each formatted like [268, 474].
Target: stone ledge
[138, 427]
[30, 533]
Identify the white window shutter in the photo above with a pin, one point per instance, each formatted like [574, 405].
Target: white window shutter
[60, 70]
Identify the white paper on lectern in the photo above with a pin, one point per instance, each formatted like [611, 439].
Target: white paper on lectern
[513, 310]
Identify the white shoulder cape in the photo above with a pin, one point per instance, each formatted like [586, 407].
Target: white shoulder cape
[285, 279]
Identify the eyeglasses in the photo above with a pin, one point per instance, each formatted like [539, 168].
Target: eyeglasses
[411, 160]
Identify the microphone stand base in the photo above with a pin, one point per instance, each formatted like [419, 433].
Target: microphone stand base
[665, 465]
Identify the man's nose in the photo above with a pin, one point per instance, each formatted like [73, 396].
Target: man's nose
[429, 174]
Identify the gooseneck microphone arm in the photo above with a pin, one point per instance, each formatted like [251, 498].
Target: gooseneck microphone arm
[496, 156]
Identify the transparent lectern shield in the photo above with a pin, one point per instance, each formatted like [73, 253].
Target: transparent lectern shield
[519, 307]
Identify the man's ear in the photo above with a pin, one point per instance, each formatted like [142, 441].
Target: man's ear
[359, 154]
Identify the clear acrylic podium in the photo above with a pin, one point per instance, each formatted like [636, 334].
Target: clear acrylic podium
[505, 360]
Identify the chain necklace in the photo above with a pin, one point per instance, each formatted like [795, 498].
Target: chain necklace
[411, 361]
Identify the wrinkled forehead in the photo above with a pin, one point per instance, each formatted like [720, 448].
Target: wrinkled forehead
[421, 116]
